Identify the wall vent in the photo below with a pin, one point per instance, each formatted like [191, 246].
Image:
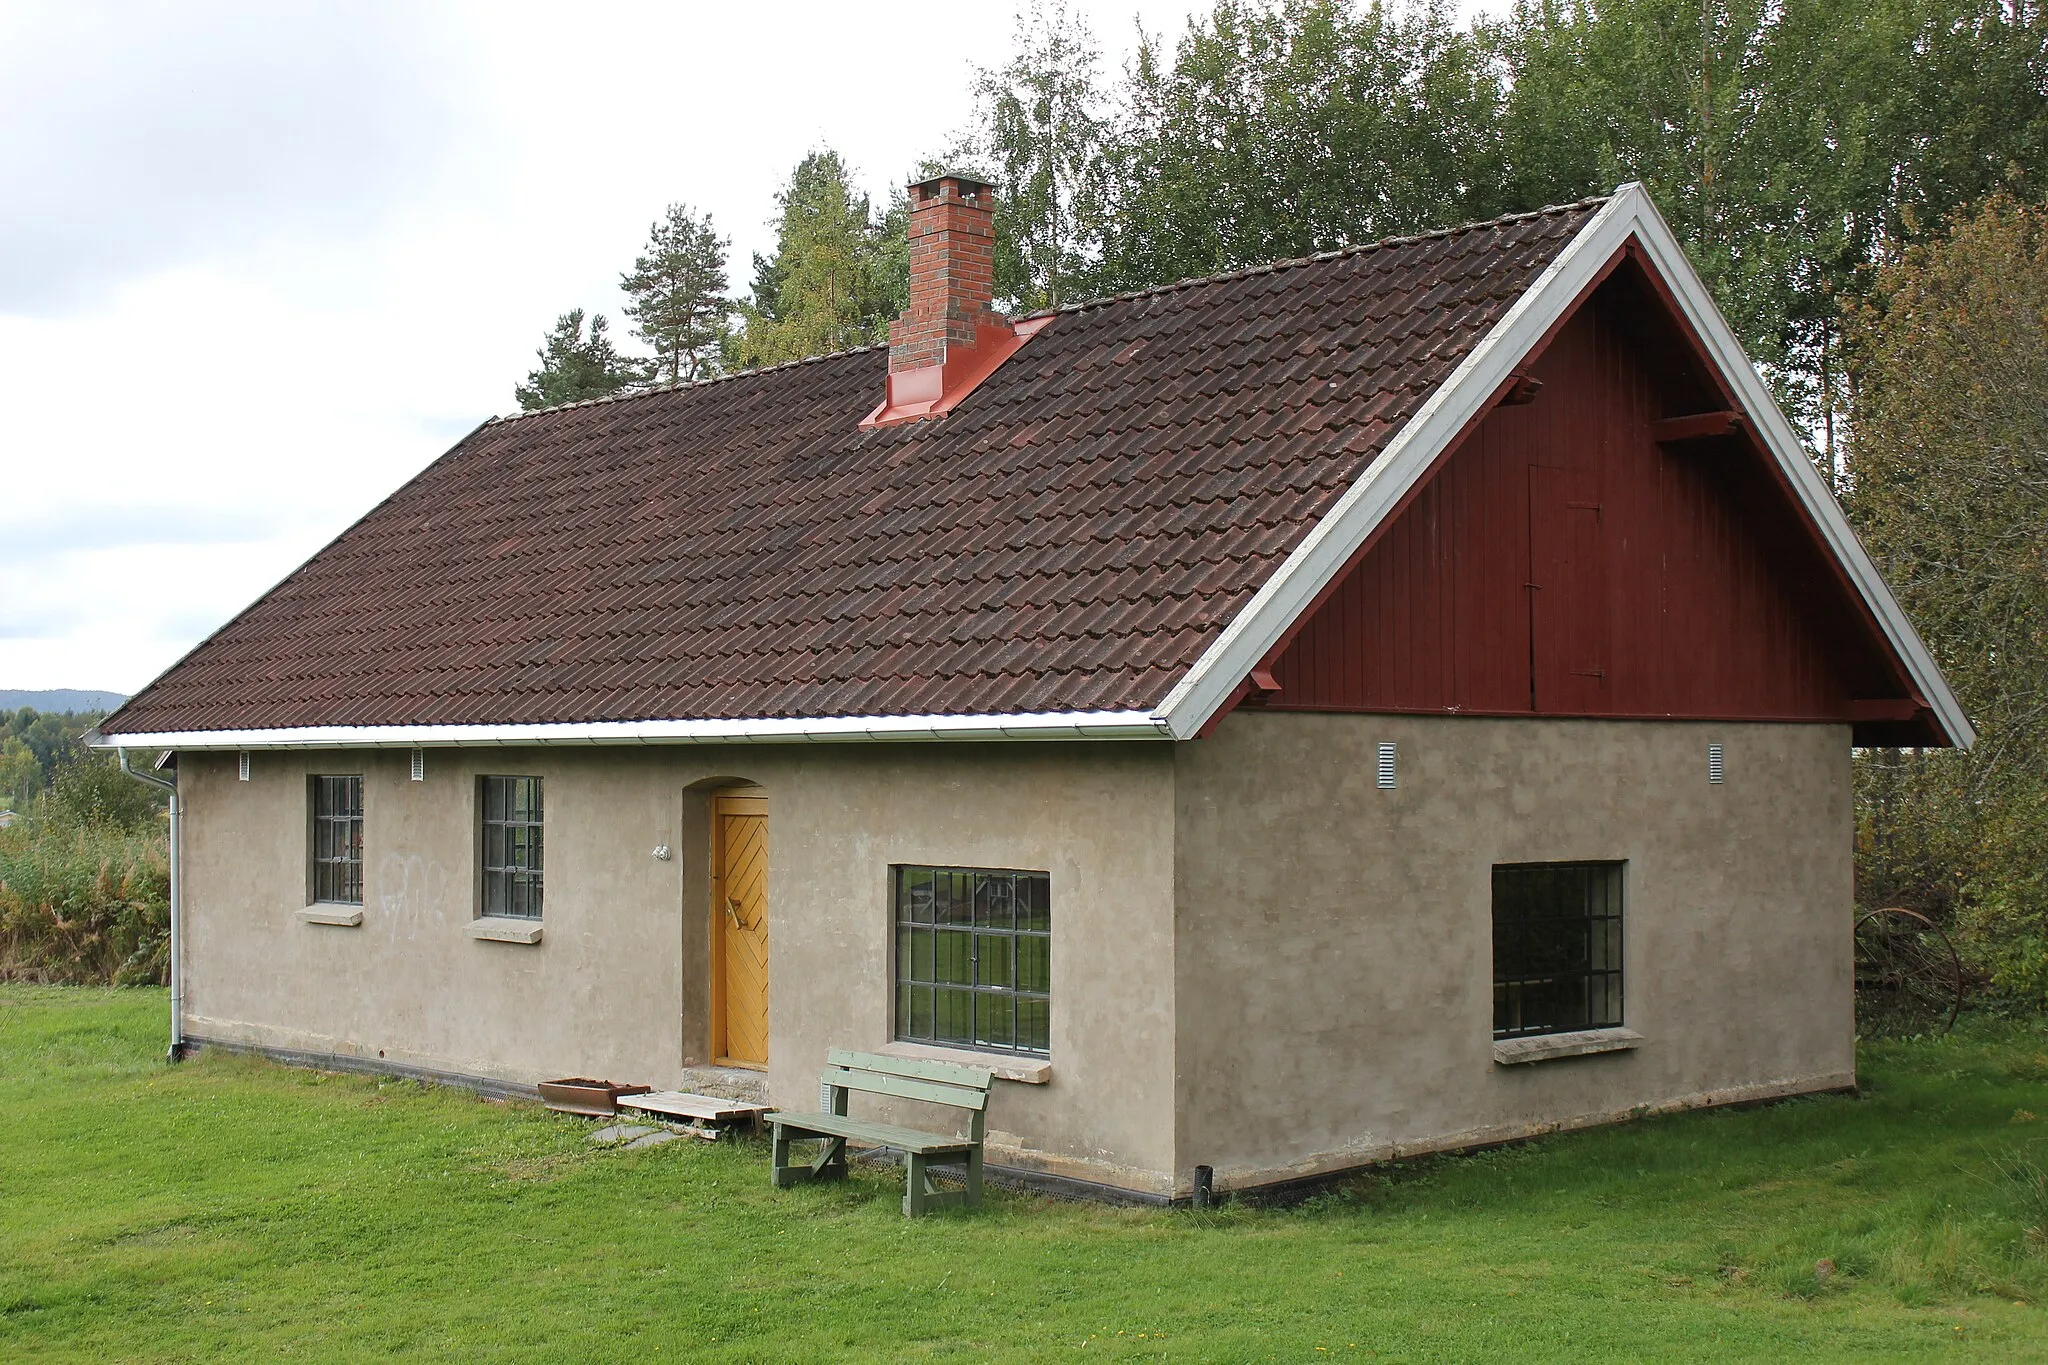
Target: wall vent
[1716, 770]
[419, 765]
[1386, 767]
[244, 757]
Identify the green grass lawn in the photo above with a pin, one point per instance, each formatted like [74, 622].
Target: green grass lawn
[229, 1207]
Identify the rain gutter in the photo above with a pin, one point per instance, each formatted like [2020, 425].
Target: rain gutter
[1046, 725]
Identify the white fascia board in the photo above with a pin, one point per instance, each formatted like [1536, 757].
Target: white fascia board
[1330, 545]
[1092, 725]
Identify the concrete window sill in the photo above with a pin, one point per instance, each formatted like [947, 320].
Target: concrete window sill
[505, 930]
[1551, 1046]
[1023, 1070]
[340, 916]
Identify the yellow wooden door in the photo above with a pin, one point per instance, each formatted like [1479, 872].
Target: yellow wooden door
[739, 908]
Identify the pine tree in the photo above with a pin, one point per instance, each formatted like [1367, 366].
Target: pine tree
[830, 275]
[676, 293]
[766, 296]
[574, 366]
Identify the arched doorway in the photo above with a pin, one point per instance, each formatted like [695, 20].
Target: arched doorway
[739, 927]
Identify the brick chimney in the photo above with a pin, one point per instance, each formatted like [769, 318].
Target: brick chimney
[949, 339]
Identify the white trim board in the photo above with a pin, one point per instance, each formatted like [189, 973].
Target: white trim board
[1329, 546]
[836, 729]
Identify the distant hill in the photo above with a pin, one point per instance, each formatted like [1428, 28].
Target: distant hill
[61, 699]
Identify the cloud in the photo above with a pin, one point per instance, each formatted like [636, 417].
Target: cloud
[261, 262]
[144, 135]
[83, 530]
[123, 613]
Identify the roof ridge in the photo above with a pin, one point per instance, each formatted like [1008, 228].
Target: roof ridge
[1149, 291]
[655, 390]
[1338, 253]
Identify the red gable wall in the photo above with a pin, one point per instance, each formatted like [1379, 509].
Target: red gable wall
[1560, 562]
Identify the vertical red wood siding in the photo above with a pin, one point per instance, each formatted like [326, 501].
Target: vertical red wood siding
[1560, 562]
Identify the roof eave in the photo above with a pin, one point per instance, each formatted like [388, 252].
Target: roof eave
[1041, 725]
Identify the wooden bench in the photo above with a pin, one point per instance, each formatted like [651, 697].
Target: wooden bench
[961, 1087]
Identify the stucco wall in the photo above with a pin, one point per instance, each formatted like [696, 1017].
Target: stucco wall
[600, 995]
[1098, 818]
[1333, 941]
[618, 984]
[1260, 961]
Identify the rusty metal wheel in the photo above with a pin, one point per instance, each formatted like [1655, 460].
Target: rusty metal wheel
[1908, 977]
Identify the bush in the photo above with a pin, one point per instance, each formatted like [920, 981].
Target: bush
[93, 791]
[1947, 437]
[84, 902]
[2002, 925]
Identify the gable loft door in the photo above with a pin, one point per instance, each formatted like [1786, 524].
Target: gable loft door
[1568, 601]
[739, 930]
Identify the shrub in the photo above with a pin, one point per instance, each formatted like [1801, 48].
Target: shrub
[1948, 432]
[82, 902]
[93, 791]
[2003, 921]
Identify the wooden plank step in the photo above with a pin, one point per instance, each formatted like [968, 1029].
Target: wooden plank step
[684, 1105]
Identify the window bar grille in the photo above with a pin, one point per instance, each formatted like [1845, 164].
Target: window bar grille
[419, 765]
[338, 840]
[1557, 948]
[973, 958]
[1386, 766]
[1716, 767]
[513, 847]
[243, 764]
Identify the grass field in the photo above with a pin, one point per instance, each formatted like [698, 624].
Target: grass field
[227, 1207]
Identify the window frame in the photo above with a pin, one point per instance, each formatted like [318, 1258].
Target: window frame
[532, 873]
[318, 819]
[1605, 955]
[1027, 949]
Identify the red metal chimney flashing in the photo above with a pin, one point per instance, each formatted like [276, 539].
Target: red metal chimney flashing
[949, 339]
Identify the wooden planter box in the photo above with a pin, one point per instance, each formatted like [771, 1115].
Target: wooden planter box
[581, 1095]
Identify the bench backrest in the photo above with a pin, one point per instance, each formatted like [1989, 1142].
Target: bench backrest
[908, 1078]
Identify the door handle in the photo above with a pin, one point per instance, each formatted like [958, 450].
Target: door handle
[732, 912]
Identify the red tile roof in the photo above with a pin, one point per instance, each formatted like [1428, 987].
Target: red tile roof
[1071, 538]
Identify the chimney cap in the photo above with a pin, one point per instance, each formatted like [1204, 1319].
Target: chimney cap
[933, 187]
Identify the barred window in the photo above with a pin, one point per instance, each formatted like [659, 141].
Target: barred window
[1556, 948]
[974, 958]
[512, 846]
[338, 840]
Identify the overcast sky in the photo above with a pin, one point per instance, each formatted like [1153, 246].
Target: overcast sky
[260, 263]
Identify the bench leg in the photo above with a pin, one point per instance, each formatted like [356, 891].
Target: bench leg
[829, 1165]
[779, 1169]
[914, 1190]
[919, 1198]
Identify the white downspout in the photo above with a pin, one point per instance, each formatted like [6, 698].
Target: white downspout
[169, 784]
